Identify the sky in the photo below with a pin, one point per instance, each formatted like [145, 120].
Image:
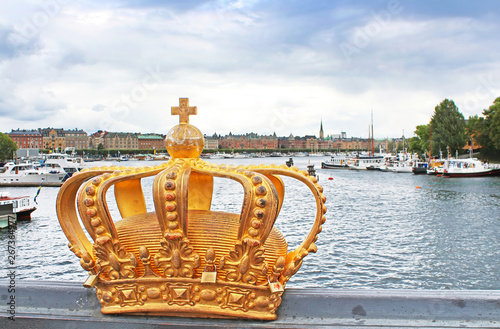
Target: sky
[258, 66]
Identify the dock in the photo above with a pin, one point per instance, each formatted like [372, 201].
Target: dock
[46, 304]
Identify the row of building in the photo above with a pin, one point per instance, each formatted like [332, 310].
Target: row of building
[52, 138]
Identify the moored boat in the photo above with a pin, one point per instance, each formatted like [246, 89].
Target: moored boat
[366, 162]
[336, 162]
[14, 208]
[25, 174]
[470, 167]
[419, 167]
[63, 163]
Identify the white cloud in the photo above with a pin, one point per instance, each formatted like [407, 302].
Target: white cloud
[249, 66]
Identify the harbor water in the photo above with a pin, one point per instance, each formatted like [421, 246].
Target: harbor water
[383, 230]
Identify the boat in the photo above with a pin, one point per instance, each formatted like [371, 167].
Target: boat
[62, 163]
[25, 174]
[470, 167]
[336, 162]
[14, 208]
[420, 167]
[435, 167]
[218, 155]
[373, 162]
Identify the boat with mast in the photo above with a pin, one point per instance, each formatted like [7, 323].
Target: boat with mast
[370, 162]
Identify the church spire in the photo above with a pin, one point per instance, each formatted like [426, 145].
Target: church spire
[321, 134]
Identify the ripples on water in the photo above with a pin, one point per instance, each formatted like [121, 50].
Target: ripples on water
[381, 231]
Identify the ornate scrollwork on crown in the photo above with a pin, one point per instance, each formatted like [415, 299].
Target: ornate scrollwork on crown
[245, 263]
[176, 258]
[294, 258]
[111, 259]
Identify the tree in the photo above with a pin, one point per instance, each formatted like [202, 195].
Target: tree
[448, 128]
[7, 147]
[100, 149]
[485, 130]
[421, 143]
[492, 118]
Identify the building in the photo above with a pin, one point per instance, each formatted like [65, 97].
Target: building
[249, 141]
[27, 138]
[53, 138]
[151, 142]
[120, 141]
[211, 142]
[76, 138]
[96, 139]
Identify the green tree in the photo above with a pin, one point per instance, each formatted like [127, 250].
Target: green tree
[493, 124]
[448, 128]
[485, 130]
[7, 147]
[100, 149]
[421, 143]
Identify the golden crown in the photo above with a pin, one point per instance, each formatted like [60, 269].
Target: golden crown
[184, 259]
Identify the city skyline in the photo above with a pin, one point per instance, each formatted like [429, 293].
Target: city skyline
[249, 66]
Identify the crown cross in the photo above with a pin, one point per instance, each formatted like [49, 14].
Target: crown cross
[184, 110]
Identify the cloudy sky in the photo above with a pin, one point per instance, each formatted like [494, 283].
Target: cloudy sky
[249, 65]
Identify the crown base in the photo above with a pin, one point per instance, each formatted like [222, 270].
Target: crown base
[184, 297]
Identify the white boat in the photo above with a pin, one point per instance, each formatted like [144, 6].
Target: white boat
[366, 162]
[336, 162]
[218, 155]
[62, 163]
[25, 174]
[14, 208]
[470, 167]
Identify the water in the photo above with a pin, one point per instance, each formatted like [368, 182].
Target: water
[381, 230]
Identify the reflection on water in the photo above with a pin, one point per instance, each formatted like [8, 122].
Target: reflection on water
[381, 230]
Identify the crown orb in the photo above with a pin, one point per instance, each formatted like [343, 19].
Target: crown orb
[184, 141]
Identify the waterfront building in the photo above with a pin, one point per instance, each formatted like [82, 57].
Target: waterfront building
[151, 141]
[96, 139]
[249, 141]
[211, 142]
[27, 138]
[76, 138]
[53, 138]
[120, 141]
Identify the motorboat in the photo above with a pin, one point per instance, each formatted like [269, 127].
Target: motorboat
[14, 208]
[470, 167]
[420, 167]
[25, 174]
[336, 162]
[373, 162]
[62, 163]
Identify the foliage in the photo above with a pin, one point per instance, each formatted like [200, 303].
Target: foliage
[448, 128]
[421, 143]
[7, 147]
[486, 130]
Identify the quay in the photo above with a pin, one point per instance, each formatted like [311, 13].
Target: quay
[68, 305]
